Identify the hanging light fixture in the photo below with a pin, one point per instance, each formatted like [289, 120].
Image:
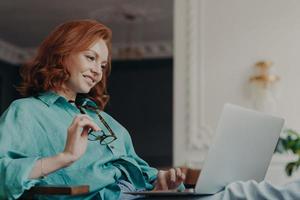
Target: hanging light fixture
[127, 19]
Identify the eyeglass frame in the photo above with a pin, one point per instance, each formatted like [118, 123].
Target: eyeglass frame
[104, 136]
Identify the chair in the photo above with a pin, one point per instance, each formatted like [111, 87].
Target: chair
[190, 182]
[191, 176]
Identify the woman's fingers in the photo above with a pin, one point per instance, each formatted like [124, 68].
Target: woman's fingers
[176, 177]
[161, 180]
[172, 174]
[77, 138]
[85, 122]
[170, 179]
[180, 176]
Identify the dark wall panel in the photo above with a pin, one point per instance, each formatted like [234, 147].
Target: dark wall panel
[9, 78]
[141, 100]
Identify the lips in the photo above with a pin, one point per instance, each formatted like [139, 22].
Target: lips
[90, 79]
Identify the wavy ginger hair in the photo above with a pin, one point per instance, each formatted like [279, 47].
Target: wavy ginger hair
[47, 72]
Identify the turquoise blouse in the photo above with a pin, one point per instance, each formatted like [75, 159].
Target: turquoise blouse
[36, 127]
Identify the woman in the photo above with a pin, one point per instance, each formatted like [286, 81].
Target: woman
[59, 133]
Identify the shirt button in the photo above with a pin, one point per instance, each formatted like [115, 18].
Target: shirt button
[111, 146]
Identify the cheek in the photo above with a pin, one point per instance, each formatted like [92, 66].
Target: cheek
[101, 76]
[79, 65]
[74, 74]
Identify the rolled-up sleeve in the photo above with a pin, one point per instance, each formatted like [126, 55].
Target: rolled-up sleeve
[150, 173]
[14, 176]
[17, 153]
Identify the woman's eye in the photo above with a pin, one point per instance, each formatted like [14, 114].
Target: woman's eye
[91, 58]
[103, 66]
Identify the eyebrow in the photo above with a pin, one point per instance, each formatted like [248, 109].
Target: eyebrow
[97, 55]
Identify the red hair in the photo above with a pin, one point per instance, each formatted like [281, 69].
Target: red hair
[46, 70]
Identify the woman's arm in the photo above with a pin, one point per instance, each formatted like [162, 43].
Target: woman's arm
[75, 147]
[45, 166]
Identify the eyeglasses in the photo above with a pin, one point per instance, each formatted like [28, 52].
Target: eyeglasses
[99, 135]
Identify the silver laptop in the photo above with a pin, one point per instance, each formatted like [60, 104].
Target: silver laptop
[242, 150]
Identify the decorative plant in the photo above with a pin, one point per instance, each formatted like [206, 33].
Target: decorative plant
[290, 142]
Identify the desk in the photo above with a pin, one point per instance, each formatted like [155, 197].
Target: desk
[200, 197]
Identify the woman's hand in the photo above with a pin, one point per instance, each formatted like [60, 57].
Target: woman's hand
[77, 138]
[169, 180]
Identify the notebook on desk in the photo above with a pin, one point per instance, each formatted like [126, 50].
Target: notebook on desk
[242, 149]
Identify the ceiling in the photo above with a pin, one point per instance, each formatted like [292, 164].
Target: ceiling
[26, 23]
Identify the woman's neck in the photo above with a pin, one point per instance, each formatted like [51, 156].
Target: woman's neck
[69, 95]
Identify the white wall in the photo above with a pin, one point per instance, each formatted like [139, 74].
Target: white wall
[239, 33]
[229, 37]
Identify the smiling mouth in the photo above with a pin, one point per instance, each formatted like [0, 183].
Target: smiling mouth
[89, 78]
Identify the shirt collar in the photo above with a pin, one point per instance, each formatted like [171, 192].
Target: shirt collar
[82, 101]
[51, 97]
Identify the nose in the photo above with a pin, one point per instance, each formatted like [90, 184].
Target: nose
[97, 69]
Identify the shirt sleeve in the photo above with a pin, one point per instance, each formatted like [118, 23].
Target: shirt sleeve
[252, 190]
[17, 152]
[150, 173]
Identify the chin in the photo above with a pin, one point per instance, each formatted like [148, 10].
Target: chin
[85, 90]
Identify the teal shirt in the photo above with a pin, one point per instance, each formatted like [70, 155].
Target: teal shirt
[36, 127]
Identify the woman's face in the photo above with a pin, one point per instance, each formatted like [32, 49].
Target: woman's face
[86, 67]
